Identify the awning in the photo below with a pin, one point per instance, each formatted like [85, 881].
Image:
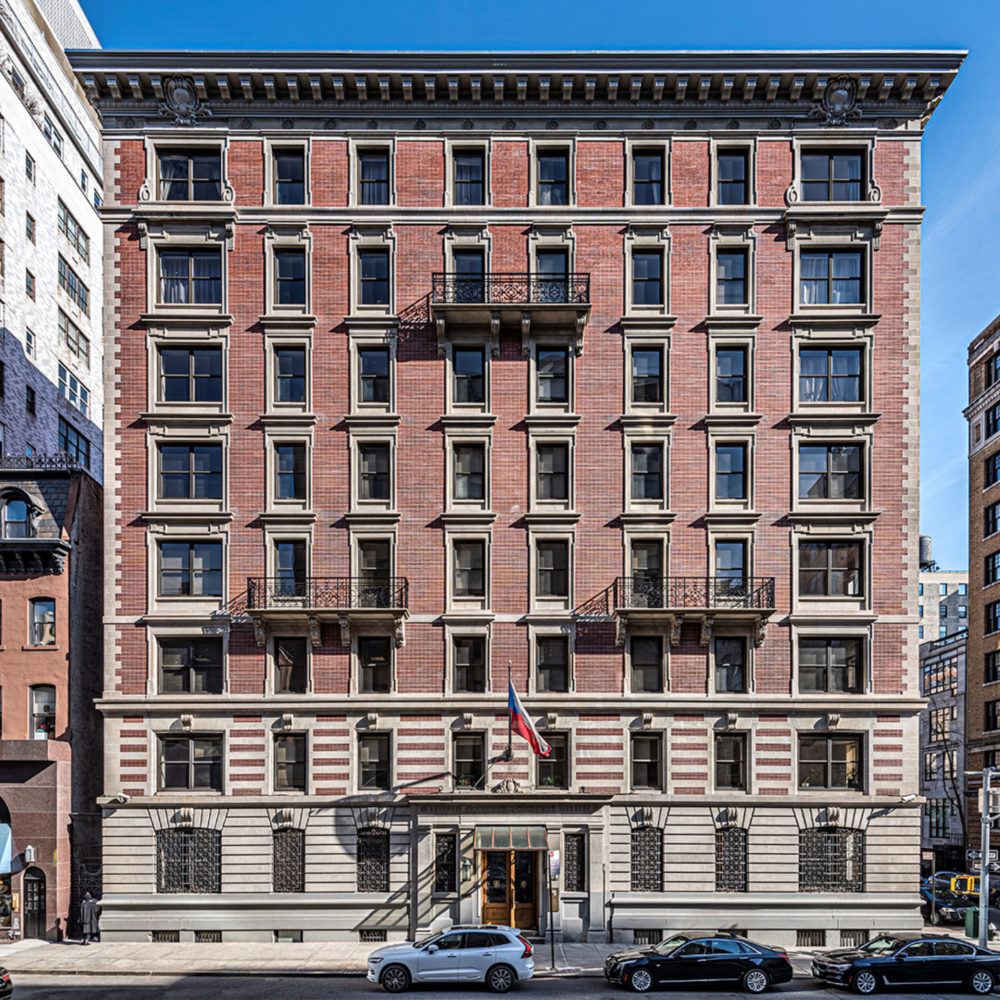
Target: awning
[511, 838]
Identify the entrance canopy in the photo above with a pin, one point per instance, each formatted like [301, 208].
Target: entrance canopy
[511, 838]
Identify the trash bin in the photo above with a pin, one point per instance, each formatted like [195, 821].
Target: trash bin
[972, 921]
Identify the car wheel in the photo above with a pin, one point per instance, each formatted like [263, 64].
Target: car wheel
[865, 982]
[981, 982]
[934, 919]
[755, 981]
[500, 979]
[395, 979]
[641, 981]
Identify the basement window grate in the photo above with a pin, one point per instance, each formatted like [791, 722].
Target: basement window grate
[647, 936]
[208, 937]
[371, 936]
[810, 939]
[165, 937]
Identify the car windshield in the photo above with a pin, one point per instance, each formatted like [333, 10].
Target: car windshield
[883, 945]
[671, 942]
[424, 942]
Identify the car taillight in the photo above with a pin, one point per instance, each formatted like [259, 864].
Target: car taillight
[781, 954]
[528, 950]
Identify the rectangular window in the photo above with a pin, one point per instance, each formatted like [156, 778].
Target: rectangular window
[647, 177]
[731, 375]
[290, 374]
[730, 664]
[469, 277]
[373, 368]
[190, 569]
[375, 763]
[553, 177]
[191, 762]
[551, 663]
[290, 763]
[830, 569]
[375, 662]
[991, 716]
[470, 472]
[291, 665]
[734, 172]
[77, 343]
[290, 277]
[552, 568]
[191, 374]
[469, 661]
[42, 622]
[469, 186]
[552, 375]
[553, 771]
[53, 136]
[43, 712]
[375, 561]
[289, 177]
[931, 761]
[373, 176]
[831, 277]
[647, 472]
[374, 277]
[831, 176]
[29, 168]
[831, 375]
[830, 472]
[552, 472]
[190, 472]
[29, 400]
[731, 286]
[647, 762]
[992, 616]
[731, 761]
[647, 375]
[647, 277]
[29, 226]
[575, 862]
[831, 665]
[992, 420]
[445, 862]
[991, 470]
[190, 277]
[939, 725]
[830, 762]
[730, 472]
[991, 574]
[469, 578]
[73, 232]
[991, 667]
[29, 284]
[374, 477]
[73, 390]
[552, 275]
[73, 444]
[191, 666]
[730, 563]
[470, 760]
[290, 471]
[469, 370]
[646, 659]
[190, 175]
[991, 519]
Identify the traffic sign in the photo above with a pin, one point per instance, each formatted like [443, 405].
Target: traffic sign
[993, 855]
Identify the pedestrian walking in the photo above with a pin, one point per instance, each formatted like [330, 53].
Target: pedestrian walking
[89, 918]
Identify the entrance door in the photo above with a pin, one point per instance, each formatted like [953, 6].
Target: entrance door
[510, 889]
[34, 903]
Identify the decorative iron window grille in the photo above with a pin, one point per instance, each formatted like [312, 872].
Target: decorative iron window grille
[810, 938]
[647, 859]
[446, 849]
[288, 872]
[371, 936]
[208, 937]
[831, 860]
[649, 936]
[731, 860]
[165, 937]
[373, 860]
[854, 938]
[189, 860]
[575, 862]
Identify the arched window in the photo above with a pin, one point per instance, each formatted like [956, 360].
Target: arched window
[373, 860]
[288, 872]
[647, 859]
[831, 859]
[15, 518]
[188, 860]
[731, 859]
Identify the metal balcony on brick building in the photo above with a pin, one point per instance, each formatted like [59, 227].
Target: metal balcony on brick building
[705, 600]
[485, 301]
[348, 600]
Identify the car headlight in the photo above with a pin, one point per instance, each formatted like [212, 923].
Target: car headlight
[947, 911]
[374, 960]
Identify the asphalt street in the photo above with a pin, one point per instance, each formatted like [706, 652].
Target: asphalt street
[356, 988]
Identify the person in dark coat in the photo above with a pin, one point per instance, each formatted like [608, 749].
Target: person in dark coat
[88, 917]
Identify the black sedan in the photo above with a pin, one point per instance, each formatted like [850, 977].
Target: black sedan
[6, 986]
[696, 961]
[911, 960]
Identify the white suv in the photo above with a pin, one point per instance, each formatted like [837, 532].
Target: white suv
[497, 956]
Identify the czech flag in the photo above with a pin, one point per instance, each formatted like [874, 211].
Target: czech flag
[521, 724]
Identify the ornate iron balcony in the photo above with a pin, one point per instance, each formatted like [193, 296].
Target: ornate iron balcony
[694, 593]
[496, 288]
[58, 461]
[330, 593]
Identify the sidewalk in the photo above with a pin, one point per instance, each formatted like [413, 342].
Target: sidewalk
[306, 959]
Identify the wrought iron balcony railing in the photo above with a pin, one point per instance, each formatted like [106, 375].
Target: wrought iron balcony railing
[330, 593]
[58, 461]
[694, 593]
[497, 288]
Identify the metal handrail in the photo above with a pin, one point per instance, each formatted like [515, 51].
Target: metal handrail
[330, 592]
[694, 592]
[510, 288]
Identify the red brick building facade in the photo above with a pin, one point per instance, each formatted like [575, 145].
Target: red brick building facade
[600, 371]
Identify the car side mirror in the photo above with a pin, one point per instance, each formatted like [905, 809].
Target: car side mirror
[431, 948]
[899, 958]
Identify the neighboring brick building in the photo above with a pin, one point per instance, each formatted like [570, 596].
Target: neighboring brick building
[601, 369]
[942, 597]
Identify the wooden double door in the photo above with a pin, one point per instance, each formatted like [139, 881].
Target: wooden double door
[510, 888]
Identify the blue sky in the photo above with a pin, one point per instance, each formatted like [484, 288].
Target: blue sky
[961, 255]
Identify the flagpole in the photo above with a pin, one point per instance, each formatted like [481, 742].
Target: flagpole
[510, 719]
